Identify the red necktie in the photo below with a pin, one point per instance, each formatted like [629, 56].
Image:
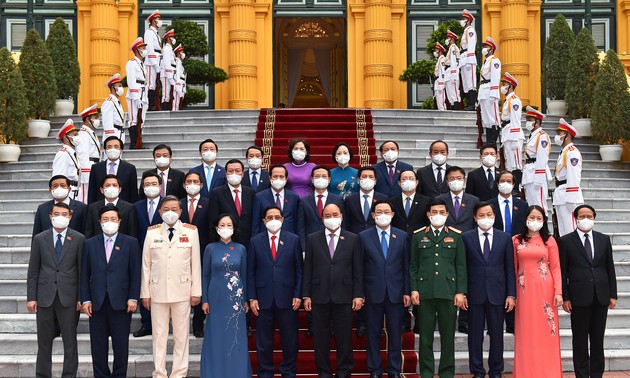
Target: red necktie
[191, 210]
[273, 247]
[320, 205]
[237, 203]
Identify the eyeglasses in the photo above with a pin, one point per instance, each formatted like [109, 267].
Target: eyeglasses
[273, 217]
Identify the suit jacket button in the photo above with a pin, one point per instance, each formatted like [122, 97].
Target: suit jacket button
[436, 273]
[436, 254]
[436, 264]
[55, 282]
[437, 245]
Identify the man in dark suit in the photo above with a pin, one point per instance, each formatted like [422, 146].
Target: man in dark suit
[196, 206]
[172, 179]
[212, 174]
[114, 165]
[59, 187]
[110, 187]
[491, 289]
[589, 289]
[333, 289]
[358, 206]
[482, 182]
[255, 177]
[311, 206]
[147, 215]
[52, 288]
[110, 290]
[286, 200]
[274, 290]
[432, 177]
[410, 208]
[386, 286]
[388, 171]
[234, 199]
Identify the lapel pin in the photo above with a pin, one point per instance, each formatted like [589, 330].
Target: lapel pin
[398, 171]
[342, 238]
[463, 205]
[394, 236]
[231, 248]
[281, 242]
[69, 238]
[286, 201]
[515, 208]
[199, 206]
[169, 180]
[117, 248]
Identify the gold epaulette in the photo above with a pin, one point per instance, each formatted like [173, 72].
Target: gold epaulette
[154, 226]
[188, 225]
[455, 230]
[420, 229]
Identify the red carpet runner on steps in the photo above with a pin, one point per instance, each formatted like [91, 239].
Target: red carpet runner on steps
[322, 128]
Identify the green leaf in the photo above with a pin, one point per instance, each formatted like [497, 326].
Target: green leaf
[583, 67]
[37, 71]
[555, 65]
[194, 96]
[63, 53]
[13, 105]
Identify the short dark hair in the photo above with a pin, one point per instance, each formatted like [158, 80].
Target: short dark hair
[454, 168]
[506, 172]
[62, 205]
[321, 166]
[366, 168]
[107, 208]
[215, 221]
[193, 173]
[295, 141]
[340, 144]
[150, 174]
[584, 206]
[272, 207]
[436, 202]
[380, 202]
[286, 171]
[168, 198]
[107, 177]
[481, 204]
[58, 177]
[408, 170]
[486, 146]
[113, 137]
[436, 142]
[161, 147]
[235, 161]
[253, 147]
[208, 141]
[380, 148]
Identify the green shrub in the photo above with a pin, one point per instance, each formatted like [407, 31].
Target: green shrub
[63, 53]
[555, 65]
[194, 96]
[583, 65]
[13, 105]
[428, 103]
[39, 77]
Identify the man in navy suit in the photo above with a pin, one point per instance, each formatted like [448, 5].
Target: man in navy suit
[212, 174]
[172, 179]
[284, 199]
[126, 212]
[274, 290]
[147, 215]
[388, 171]
[311, 206]
[255, 177]
[458, 203]
[482, 182]
[387, 288]
[195, 211]
[126, 172]
[59, 187]
[491, 289]
[432, 177]
[110, 290]
[358, 206]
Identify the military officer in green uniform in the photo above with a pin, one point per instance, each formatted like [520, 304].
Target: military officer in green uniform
[438, 287]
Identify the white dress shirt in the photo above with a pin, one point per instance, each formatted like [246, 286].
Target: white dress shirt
[337, 235]
[590, 239]
[165, 180]
[435, 171]
[281, 193]
[502, 208]
[482, 237]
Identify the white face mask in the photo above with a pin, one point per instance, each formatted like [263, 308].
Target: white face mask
[343, 159]
[367, 184]
[558, 140]
[447, 41]
[504, 89]
[111, 192]
[209, 156]
[60, 222]
[278, 184]
[485, 223]
[529, 125]
[173, 41]
[534, 225]
[437, 220]
[505, 187]
[110, 228]
[485, 51]
[462, 23]
[96, 123]
[489, 160]
[193, 189]
[151, 191]
[225, 233]
[234, 179]
[254, 163]
[585, 224]
[170, 217]
[143, 53]
[408, 185]
[438, 159]
[390, 156]
[383, 220]
[298, 155]
[162, 162]
[158, 23]
[60, 193]
[183, 55]
[332, 223]
[113, 154]
[435, 54]
[320, 183]
[456, 185]
[120, 91]
[75, 140]
[273, 225]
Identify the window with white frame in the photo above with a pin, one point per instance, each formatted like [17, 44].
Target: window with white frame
[600, 28]
[48, 23]
[16, 33]
[421, 31]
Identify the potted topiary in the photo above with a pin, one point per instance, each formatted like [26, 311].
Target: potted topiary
[12, 108]
[583, 66]
[39, 83]
[63, 53]
[611, 107]
[555, 65]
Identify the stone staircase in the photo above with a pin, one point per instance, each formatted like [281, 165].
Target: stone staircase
[23, 186]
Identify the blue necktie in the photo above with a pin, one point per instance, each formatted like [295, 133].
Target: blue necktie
[507, 225]
[58, 246]
[407, 206]
[366, 207]
[255, 180]
[490, 178]
[209, 176]
[384, 243]
[486, 247]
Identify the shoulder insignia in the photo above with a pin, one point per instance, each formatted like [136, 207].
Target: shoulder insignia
[63, 149]
[191, 226]
[471, 33]
[154, 226]
[496, 65]
[454, 230]
[574, 161]
[542, 131]
[515, 107]
[571, 148]
[544, 143]
[420, 229]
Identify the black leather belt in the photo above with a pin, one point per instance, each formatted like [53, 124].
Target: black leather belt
[560, 182]
[139, 81]
[173, 65]
[530, 160]
[73, 182]
[156, 50]
[484, 81]
[118, 127]
[96, 160]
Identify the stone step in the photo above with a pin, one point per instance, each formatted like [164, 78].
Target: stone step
[16, 240]
[15, 255]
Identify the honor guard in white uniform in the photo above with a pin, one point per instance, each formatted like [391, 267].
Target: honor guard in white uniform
[168, 67]
[468, 60]
[512, 135]
[66, 161]
[440, 84]
[568, 194]
[137, 94]
[180, 82]
[112, 112]
[489, 91]
[89, 150]
[536, 173]
[452, 71]
[154, 56]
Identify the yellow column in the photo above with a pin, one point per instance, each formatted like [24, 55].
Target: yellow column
[514, 37]
[104, 46]
[243, 82]
[378, 71]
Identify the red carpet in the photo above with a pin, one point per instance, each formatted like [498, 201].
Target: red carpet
[322, 128]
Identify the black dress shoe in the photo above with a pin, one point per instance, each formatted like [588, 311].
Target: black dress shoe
[462, 329]
[361, 331]
[375, 375]
[509, 330]
[382, 332]
[141, 332]
[309, 332]
[393, 375]
[198, 334]
[406, 328]
[249, 331]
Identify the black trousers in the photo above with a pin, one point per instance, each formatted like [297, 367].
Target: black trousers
[588, 323]
[105, 323]
[376, 312]
[341, 316]
[287, 320]
[478, 316]
[47, 319]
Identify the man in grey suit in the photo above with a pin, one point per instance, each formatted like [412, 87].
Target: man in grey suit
[53, 290]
